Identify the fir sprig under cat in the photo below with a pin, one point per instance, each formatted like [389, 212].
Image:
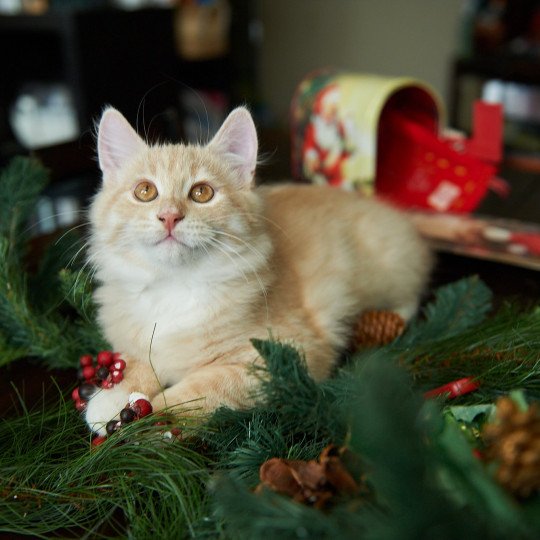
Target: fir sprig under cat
[193, 262]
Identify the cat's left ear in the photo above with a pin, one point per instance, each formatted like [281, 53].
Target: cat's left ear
[236, 140]
[118, 142]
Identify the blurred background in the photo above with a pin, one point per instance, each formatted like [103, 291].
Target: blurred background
[176, 67]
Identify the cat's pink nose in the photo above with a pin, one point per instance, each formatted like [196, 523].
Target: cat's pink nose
[170, 219]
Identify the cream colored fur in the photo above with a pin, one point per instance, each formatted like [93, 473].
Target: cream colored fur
[297, 261]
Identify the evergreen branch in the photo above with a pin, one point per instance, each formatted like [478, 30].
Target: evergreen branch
[51, 481]
[456, 308]
[45, 286]
[77, 289]
[22, 180]
[503, 353]
[409, 455]
[423, 480]
[45, 336]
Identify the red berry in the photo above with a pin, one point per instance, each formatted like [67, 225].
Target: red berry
[98, 439]
[86, 360]
[107, 383]
[75, 394]
[142, 407]
[105, 358]
[89, 372]
[116, 376]
[116, 356]
[80, 405]
[119, 365]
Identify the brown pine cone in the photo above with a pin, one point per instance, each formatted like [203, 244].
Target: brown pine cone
[315, 482]
[513, 442]
[375, 328]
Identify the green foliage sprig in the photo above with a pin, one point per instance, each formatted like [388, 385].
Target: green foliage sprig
[46, 313]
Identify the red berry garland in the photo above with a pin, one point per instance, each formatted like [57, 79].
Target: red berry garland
[105, 372]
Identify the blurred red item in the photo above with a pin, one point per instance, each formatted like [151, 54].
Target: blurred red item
[454, 389]
[417, 168]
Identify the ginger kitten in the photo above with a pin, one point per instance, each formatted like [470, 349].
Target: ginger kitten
[192, 262]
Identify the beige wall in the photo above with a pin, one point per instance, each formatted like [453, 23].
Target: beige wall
[391, 37]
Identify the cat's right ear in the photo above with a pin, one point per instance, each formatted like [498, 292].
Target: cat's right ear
[117, 141]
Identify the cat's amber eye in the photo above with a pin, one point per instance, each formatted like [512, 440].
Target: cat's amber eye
[146, 191]
[201, 193]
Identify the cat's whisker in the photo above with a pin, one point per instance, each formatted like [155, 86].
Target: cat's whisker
[142, 104]
[217, 245]
[49, 218]
[256, 252]
[77, 253]
[71, 229]
[253, 269]
[256, 215]
[88, 277]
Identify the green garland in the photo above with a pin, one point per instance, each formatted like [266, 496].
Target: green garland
[43, 313]
[416, 455]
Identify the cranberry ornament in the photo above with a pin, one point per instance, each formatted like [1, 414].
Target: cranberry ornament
[86, 391]
[89, 372]
[127, 415]
[86, 360]
[119, 365]
[116, 376]
[142, 407]
[105, 358]
[102, 373]
[112, 426]
[98, 440]
[80, 405]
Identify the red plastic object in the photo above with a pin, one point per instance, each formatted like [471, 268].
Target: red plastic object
[454, 389]
[417, 169]
[485, 143]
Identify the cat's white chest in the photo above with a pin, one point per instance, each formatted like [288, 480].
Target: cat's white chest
[173, 305]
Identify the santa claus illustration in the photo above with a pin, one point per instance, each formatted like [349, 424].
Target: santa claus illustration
[325, 147]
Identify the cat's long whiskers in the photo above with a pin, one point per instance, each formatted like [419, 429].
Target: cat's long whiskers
[77, 253]
[82, 270]
[253, 269]
[261, 216]
[214, 242]
[51, 217]
[256, 252]
[201, 100]
[142, 104]
[71, 229]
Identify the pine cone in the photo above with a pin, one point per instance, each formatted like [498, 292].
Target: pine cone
[376, 328]
[316, 482]
[513, 442]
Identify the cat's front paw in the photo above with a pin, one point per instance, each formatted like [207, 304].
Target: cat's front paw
[104, 406]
